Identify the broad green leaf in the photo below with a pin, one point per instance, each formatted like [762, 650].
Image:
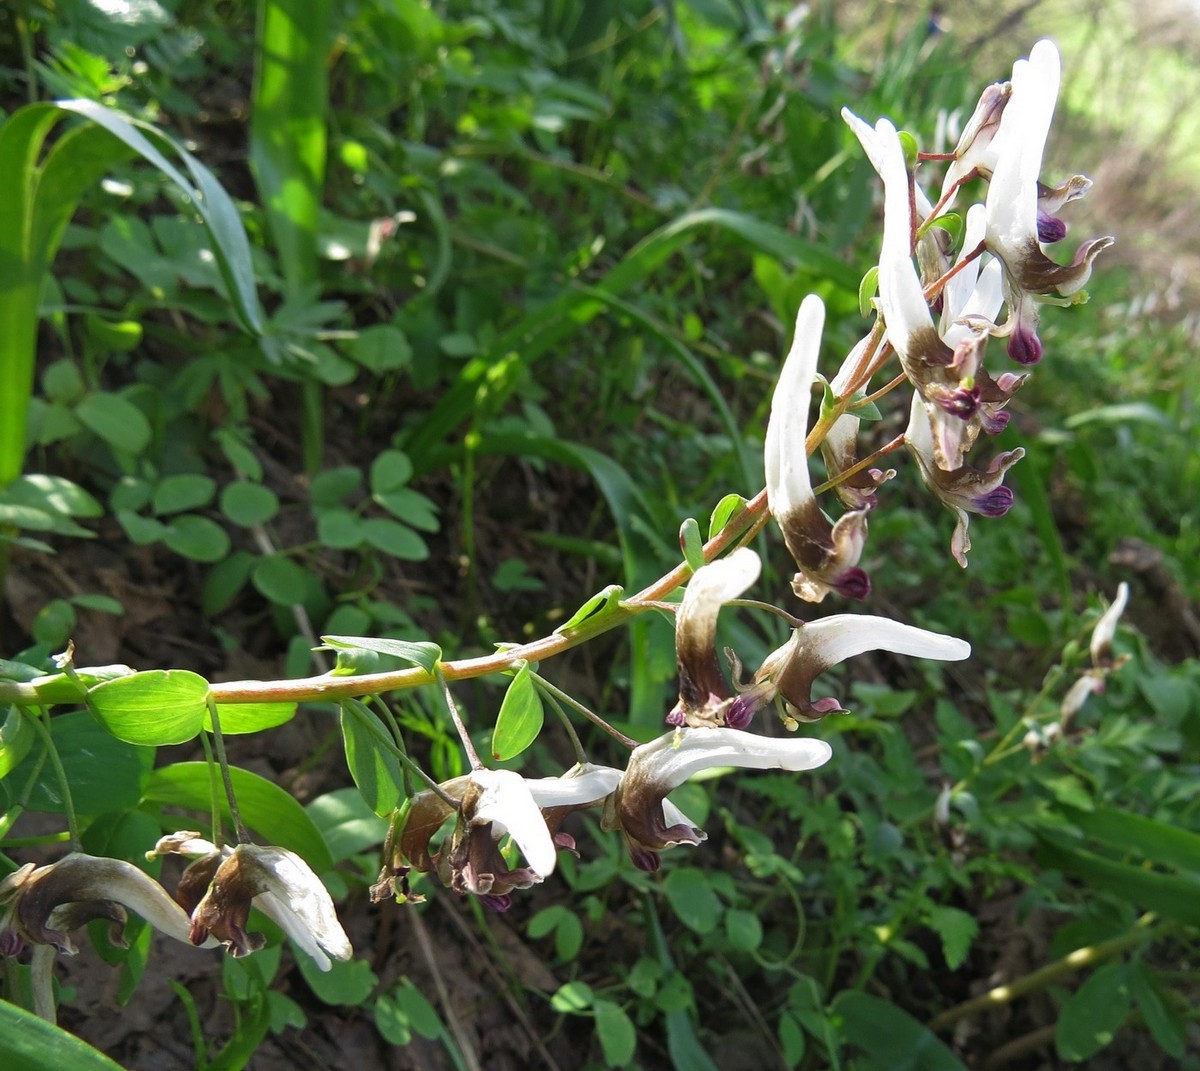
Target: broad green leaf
[691, 895]
[743, 929]
[395, 539]
[280, 579]
[269, 810]
[1094, 1013]
[117, 421]
[196, 537]
[572, 998]
[520, 718]
[867, 289]
[371, 757]
[339, 528]
[346, 822]
[237, 718]
[405, 1010]
[1174, 896]
[104, 773]
[890, 1039]
[410, 506]
[54, 493]
[28, 1043]
[348, 982]
[1157, 842]
[390, 471]
[618, 1037]
[175, 494]
[423, 654]
[160, 706]
[248, 504]
[595, 608]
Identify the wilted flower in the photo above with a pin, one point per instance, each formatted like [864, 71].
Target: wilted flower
[650, 822]
[221, 886]
[826, 554]
[704, 693]
[812, 648]
[493, 804]
[1013, 230]
[974, 154]
[1093, 680]
[43, 905]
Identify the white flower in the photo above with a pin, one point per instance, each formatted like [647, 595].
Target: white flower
[650, 822]
[826, 554]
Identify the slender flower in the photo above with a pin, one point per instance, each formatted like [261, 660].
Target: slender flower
[826, 554]
[962, 490]
[704, 693]
[222, 884]
[789, 672]
[1013, 203]
[1093, 681]
[42, 905]
[974, 154]
[650, 822]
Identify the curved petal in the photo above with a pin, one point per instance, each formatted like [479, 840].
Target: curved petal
[506, 801]
[578, 787]
[671, 759]
[834, 639]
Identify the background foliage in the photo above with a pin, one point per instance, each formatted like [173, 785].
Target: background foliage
[515, 294]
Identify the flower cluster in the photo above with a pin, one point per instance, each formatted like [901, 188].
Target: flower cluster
[41, 906]
[939, 315]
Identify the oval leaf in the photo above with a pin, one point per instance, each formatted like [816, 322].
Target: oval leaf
[425, 655]
[161, 706]
[520, 718]
[371, 758]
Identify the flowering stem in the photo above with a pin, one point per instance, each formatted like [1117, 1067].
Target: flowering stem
[841, 477]
[568, 728]
[218, 740]
[459, 726]
[591, 715]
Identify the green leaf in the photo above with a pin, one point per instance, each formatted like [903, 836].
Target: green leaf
[1157, 842]
[405, 1011]
[348, 982]
[618, 1037]
[395, 539]
[690, 894]
[104, 773]
[29, 1043]
[160, 706]
[724, 510]
[239, 718]
[594, 609]
[572, 998]
[744, 929]
[339, 528]
[265, 807]
[248, 504]
[1094, 1013]
[346, 822]
[520, 718]
[867, 289]
[54, 493]
[423, 654]
[175, 494]
[957, 929]
[118, 422]
[691, 544]
[280, 579]
[1160, 1016]
[371, 757]
[381, 348]
[196, 537]
[890, 1039]
[390, 471]
[16, 738]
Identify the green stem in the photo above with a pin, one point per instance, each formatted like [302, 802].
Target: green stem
[459, 725]
[60, 774]
[1088, 956]
[218, 740]
[591, 715]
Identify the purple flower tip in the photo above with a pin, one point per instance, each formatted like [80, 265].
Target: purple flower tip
[644, 858]
[499, 904]
[961, 402]
[995, 423]
[741, 712]
[1050, 228]
[853, 584]
[677, 716]
[995, 503]
[1024, 346]
[11, 943]
[829, 705]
